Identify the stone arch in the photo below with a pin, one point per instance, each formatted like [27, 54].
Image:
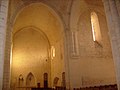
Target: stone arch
[20, 80]
[30, 80]
[82, 7]
[36, 29]
[62, 25]
[45, 80]
[89, 15]
[37, 42]
[28, 3]
[79, 10]
[45, 76]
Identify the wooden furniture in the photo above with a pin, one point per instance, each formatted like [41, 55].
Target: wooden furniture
[41, 89]
[104, 87]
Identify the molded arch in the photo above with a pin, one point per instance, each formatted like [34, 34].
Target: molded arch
[36, 29]
[22, 6]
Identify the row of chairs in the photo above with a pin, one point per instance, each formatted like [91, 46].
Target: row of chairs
[56, 88]
[60, 88]
[105, 87]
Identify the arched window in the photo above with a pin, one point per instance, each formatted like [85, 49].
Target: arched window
[95, 28]
[52, 52]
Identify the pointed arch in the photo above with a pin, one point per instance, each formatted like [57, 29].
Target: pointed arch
[30, 80]
[56, 16]
[95, 27]
[45, 80]
[20, 80]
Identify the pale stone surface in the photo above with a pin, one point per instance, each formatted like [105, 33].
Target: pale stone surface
[67, 25]
[47, 23]
[30, 55]
[112, 14]
[90, 53]
[118, 6]
[3, 20]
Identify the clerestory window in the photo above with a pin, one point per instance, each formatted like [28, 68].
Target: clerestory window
[95, 28]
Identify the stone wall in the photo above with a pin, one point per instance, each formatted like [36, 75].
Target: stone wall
[86, 62]
[45, 21]
[30, 55]
[3, 27]
[93, 63]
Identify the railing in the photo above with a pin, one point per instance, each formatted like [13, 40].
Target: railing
[105, 87]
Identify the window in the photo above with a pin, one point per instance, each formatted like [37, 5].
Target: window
[95, 28]
[52, 52]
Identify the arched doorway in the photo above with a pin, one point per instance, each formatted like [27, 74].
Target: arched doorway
[30, 80]
[35, 33]
[45, 80]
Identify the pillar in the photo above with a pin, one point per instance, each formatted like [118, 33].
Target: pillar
[114, 31]
[6, 74]
[115, 19]
[118, 6]
[3, 24]
[66, 58]
[116, 23]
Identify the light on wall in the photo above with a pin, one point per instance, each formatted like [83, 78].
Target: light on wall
[93, 25]
[93, 30]
[11, 54]
[52, 52]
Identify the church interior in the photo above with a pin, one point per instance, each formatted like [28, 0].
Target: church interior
[59, 44]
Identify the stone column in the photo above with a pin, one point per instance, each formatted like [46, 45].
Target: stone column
[116, 23]
[118, 6]
[115, 19]
[3, 25]
[6, 74]
[67, 54]
[113, 26]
